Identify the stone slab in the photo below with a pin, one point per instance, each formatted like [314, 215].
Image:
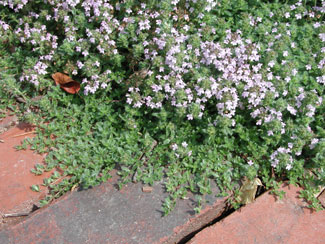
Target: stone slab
[105, 214]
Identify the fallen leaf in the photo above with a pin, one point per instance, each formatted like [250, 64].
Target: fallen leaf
[66, 82]
[74, 187]
[248, 190]
[61, 78]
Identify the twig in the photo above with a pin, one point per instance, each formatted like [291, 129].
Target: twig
[59, 179]
[15, 215]
[135, 175]
[153, 145]
[20, 99]
[23, 134]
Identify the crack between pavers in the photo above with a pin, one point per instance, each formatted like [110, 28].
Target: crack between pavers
[228, 210]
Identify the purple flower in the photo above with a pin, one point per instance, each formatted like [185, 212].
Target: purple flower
[298, 16]
[174, 146]
[313, 143]
[317, 25]
[189, 117]
[288, 166]
[80, 64]
[291, 110]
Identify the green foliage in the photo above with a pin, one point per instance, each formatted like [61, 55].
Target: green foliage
[87, 135]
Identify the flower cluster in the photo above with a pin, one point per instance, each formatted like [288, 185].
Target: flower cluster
[184, 56]
[182, 150]
[282, 154]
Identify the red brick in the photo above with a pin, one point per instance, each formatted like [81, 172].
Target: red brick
[15, 176]
[269, 221]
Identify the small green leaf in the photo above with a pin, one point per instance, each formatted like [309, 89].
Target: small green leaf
[56, 175]
[35, 188]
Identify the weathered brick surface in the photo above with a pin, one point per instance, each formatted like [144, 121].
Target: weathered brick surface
[15, 176]
[268, 221]
[7, 122]
[104, 214]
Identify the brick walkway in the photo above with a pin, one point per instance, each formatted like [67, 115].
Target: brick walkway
[269, 221]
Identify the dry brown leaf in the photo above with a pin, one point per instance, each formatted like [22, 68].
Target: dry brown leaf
[66, 82]
[74, 187]
[61, 78]
[248, 190]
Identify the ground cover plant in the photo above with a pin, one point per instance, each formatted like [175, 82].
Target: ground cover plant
[188, 91]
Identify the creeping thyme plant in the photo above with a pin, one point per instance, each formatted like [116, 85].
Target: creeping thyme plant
[184, 91]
